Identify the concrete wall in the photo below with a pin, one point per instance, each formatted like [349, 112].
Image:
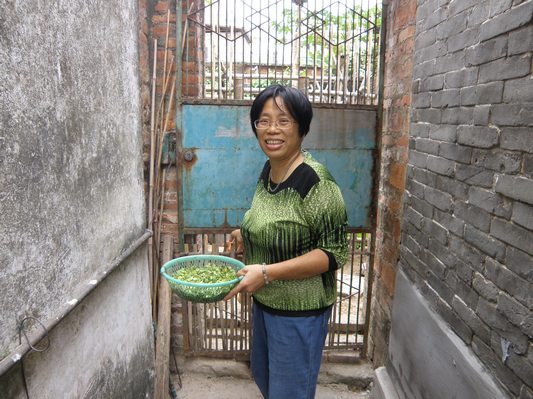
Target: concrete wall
[103, 349]
[71, 196]
[430, 361]
[467, 232]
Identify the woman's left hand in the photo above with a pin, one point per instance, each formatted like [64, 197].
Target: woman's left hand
[251, 282]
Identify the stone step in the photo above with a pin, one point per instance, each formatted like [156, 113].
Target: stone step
[357, 377]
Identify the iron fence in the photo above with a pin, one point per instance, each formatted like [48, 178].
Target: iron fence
[232, 49]
[223, 329]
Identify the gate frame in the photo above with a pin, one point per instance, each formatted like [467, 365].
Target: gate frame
[183, 231]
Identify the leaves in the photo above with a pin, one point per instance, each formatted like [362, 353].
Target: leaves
[209, 273]
[206, 274]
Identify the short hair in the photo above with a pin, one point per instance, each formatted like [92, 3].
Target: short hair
[298, 106]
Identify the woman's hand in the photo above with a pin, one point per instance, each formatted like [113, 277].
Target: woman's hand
[235, 237]
[251, 282]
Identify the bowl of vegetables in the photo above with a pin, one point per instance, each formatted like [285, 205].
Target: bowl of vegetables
[202, 278]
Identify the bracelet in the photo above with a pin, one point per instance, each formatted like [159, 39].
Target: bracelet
[265, 276]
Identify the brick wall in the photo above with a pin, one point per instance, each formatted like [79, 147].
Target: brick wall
[155, 21]
[157, 18]
[467, 232]
[153, 17]
[398, 71]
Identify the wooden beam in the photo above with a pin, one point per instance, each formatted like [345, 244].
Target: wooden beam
[162, 337]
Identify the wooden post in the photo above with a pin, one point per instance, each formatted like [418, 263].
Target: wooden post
[162, 338]
[302, 84]
[151, 261]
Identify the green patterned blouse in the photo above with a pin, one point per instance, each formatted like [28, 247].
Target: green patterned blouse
[303, 213]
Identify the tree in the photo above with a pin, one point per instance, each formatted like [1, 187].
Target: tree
[341, 47]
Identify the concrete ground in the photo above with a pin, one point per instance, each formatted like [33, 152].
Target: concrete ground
[228, 379]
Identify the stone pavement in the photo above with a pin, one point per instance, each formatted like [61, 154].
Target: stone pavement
[229, 379]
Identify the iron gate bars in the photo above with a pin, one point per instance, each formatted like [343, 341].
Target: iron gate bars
[232, 49]
[223, 329]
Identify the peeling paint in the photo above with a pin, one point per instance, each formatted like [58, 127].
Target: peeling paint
[505, 344]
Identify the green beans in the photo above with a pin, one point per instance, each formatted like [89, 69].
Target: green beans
[202, 278]
[207, 274]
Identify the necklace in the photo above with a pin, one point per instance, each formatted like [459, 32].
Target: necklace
[272, 189]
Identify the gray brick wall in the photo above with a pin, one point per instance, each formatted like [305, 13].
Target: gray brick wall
[467, 232]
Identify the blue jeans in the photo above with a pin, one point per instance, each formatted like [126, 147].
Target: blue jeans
[286, 353]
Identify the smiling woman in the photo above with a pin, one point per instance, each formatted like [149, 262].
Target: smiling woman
[280, 119]
[294, 239]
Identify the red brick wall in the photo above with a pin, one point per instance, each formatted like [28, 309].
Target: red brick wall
[157, 20]
[156, 23]
[401, 18]
[193, 48]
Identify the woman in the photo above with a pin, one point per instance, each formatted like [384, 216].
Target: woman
[294, 239]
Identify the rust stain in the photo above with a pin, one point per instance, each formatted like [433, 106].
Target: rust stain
[225, 223]
[188, 164]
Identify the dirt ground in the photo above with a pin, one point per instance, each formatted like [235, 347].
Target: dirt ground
[200, 386]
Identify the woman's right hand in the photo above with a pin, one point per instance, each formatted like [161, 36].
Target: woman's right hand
[252, 280]
[235, 238]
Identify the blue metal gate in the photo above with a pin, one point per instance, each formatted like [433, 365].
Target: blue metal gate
[221, 161]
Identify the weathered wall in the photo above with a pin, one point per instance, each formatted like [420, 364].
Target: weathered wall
[71, 193]
[431, 361]
[467, 232]
[103, 349]
[397, 78]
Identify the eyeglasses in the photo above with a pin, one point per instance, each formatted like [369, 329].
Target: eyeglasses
[262, 124]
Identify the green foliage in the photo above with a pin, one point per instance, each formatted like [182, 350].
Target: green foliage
[347, 34]
[205, 275]
[208, 274]
[264, 83]
[286, 25]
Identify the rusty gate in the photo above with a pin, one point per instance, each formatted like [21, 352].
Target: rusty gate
[230, 50]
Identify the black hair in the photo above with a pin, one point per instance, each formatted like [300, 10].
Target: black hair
[295, 101]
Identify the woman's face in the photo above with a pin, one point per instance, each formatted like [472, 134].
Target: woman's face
[278, 143]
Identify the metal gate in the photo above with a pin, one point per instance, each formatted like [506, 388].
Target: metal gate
[232, 49]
